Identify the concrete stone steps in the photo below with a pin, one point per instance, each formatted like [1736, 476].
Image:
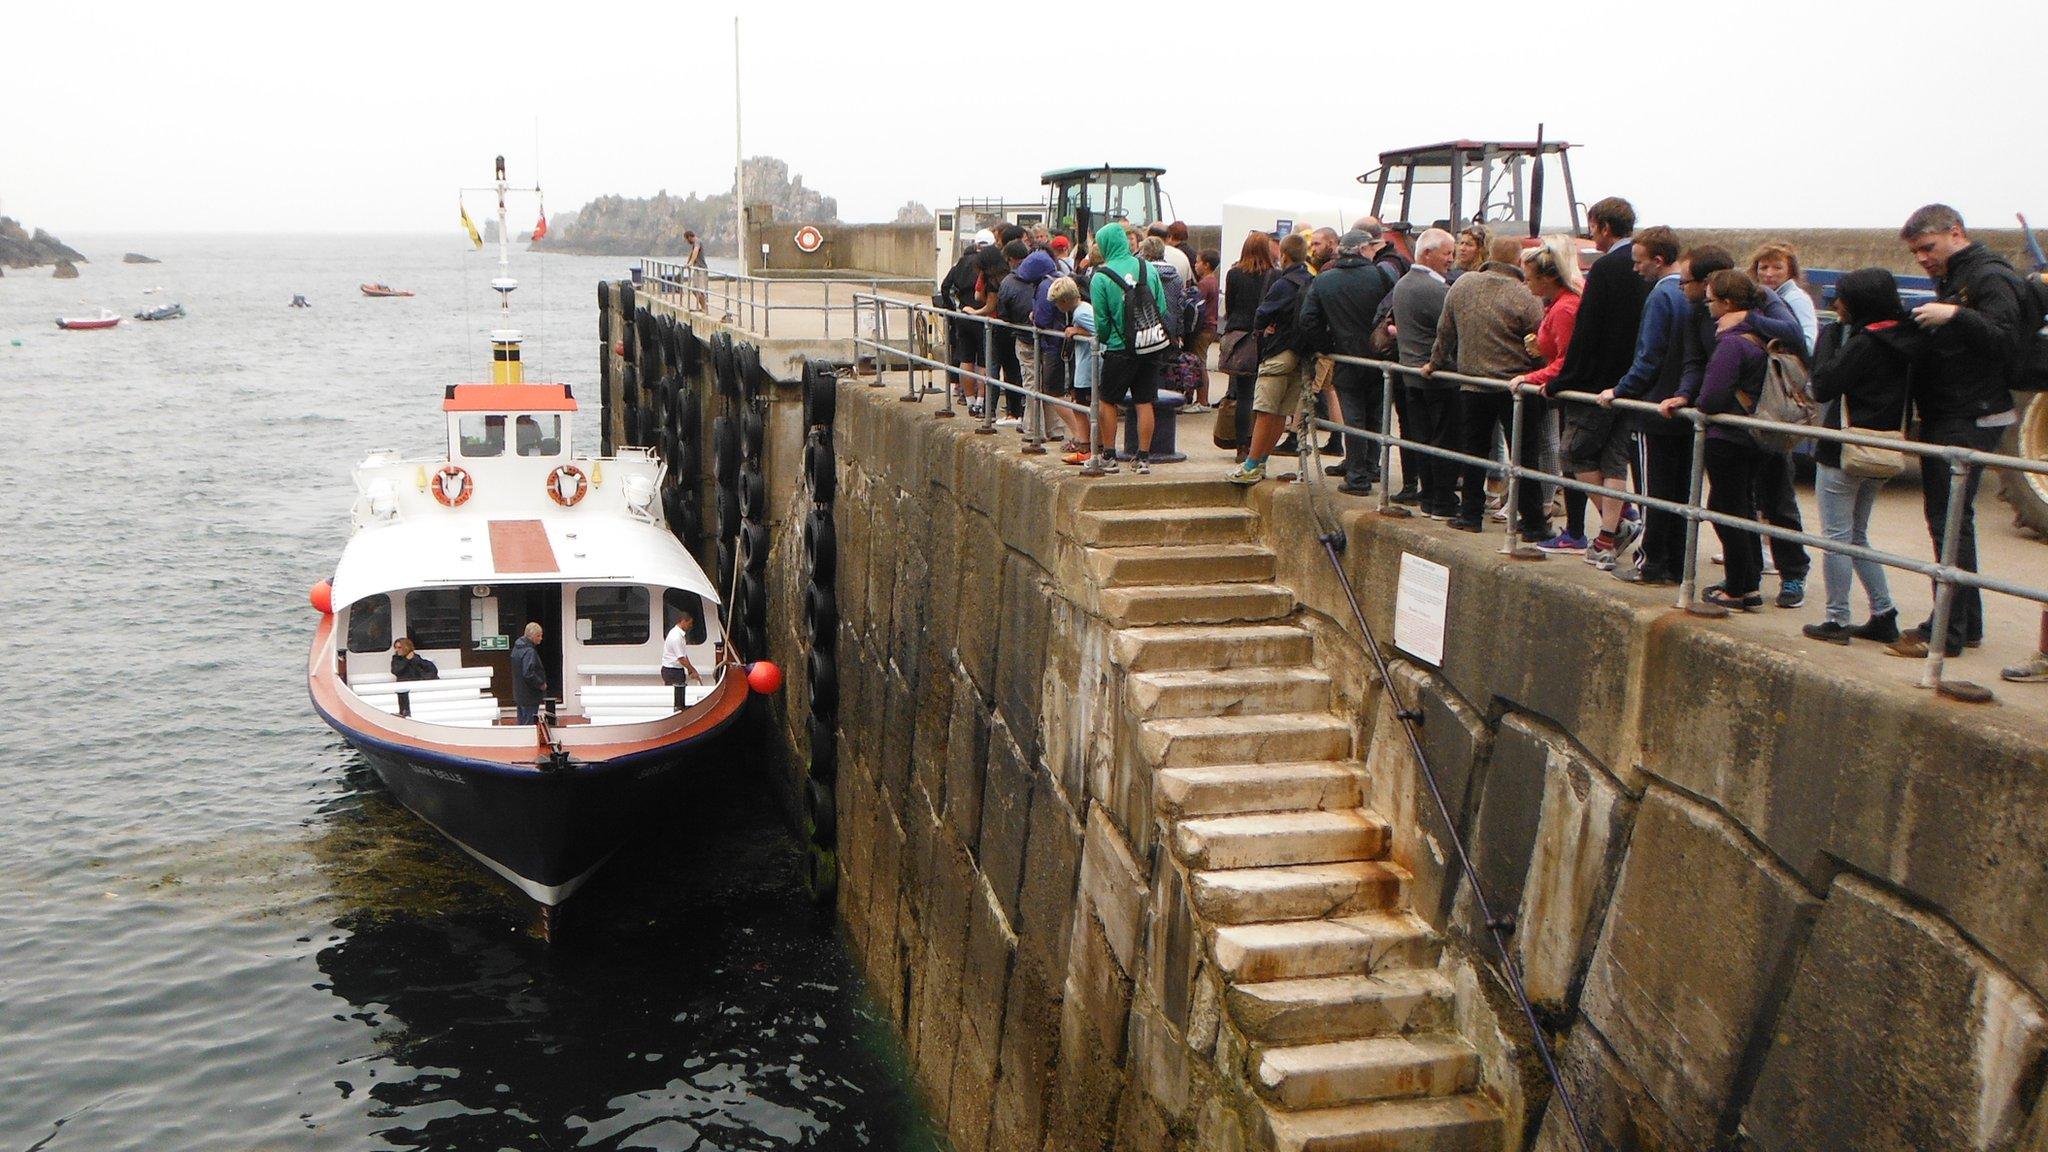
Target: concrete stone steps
[1115, 527]
[1193, 741]
[1180, 563]
[1187, 647]
[1354, 1071]
[1160, 491]
[1339, 1007]
[1466, 1123]
[1298, 891]
[1142, 604]
[1228, 691]
[1227, 789]
[1360, 945]
[1260, 840]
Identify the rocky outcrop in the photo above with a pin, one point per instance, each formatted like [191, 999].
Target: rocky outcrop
[20, 248]
[654, 226]
[138, 258]
[66, 270]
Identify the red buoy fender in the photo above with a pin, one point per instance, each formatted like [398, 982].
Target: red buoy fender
[322, 598]
[764, 677]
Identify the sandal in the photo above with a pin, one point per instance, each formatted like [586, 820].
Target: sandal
[1080, 457]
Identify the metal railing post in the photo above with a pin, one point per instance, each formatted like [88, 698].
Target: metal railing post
[828, 309]
[1388, 383]
[1944, 583]
[1688, 580]
[1514, 472]
[1086, 347]
[1034, 408]
[990, 391]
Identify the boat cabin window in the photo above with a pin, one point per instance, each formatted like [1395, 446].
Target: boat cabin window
[433, 617]
[482, 434]
[538, 435]
[612, 615]
[674, 602]
[369, 624]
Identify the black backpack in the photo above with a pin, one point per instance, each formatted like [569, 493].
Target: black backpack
[2030, 372]
[1144, 327]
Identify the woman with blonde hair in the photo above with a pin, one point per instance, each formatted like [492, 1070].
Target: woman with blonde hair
[1551, 271]
[1475, 242]
[1775, 268]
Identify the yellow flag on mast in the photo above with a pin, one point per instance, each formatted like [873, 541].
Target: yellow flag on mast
[469, 224]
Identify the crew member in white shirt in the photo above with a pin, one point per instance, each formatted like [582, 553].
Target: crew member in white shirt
[675, 665]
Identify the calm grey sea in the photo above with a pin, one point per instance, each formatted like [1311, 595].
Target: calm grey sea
[216, 930]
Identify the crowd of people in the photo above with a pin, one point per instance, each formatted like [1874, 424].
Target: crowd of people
[1295, 322]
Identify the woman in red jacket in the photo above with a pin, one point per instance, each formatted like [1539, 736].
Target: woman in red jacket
[1552, 272]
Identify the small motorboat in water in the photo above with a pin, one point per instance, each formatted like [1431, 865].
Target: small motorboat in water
[467, 554]
[299, 301]
[106, 319]
[381, 289]
[163, 312]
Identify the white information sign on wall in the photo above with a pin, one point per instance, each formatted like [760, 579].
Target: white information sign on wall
[1419, 608]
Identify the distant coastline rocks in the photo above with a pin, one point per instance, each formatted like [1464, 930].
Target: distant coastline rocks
[20, 248]
[66, 270]
[138, 258]
[654, 226]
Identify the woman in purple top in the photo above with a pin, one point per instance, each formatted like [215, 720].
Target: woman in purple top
[1733, 379]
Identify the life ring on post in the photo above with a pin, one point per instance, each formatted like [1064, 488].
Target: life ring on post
[573, 476]
[464, 486]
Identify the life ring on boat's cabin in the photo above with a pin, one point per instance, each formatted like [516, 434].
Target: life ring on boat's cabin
[576, 492]
[464, 486]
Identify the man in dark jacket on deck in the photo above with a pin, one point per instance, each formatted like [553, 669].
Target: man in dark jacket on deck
[1979, 325]
[529, 675]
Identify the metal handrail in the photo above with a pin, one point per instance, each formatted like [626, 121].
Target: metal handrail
[749, 299]
[1943, 571]
[1034, 428]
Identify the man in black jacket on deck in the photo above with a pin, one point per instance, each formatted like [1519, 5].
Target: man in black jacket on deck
[1979, 327]
[529, 675]
[1336, 316]
[1602, 350]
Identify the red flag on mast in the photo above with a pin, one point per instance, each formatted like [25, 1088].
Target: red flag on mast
[540, 229]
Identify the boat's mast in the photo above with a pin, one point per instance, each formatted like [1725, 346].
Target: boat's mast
[505, 365]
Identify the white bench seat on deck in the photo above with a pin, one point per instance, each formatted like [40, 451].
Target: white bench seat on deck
[358, 680]
[626, 715]
[650, 671]
[648, 695]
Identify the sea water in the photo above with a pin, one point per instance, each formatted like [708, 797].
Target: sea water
[217, 931]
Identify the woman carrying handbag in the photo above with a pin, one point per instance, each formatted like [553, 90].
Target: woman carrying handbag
[1864, 375]
[1238, 352]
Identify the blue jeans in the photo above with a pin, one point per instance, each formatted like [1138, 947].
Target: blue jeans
[1845, 505]
[528, 713]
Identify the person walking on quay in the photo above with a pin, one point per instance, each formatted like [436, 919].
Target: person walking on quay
[1417, 308]
[1864, 374]
[1733, 379]
[2033, 670]
[1602, 351]
[1284, 366]
[698, 279]
[1551, 273]
[1487, 319]
[1653, 377]
[1244, 285]
[1337, 316]
[1978, 328]
[1019, 299]
[1079, 337]
[1130, 360]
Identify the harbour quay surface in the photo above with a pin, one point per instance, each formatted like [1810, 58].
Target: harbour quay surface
[1134, 848]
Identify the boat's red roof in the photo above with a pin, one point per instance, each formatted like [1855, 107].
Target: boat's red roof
[509, 398]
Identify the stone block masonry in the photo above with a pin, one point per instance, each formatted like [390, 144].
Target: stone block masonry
[1136, 856]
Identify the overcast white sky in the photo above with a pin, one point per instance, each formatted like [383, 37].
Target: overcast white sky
[366, 116]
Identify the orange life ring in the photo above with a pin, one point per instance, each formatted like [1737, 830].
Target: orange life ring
[465, 489]
[568, 472]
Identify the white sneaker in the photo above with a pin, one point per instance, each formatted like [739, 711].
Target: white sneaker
[1009, 422]
[1770, 565]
